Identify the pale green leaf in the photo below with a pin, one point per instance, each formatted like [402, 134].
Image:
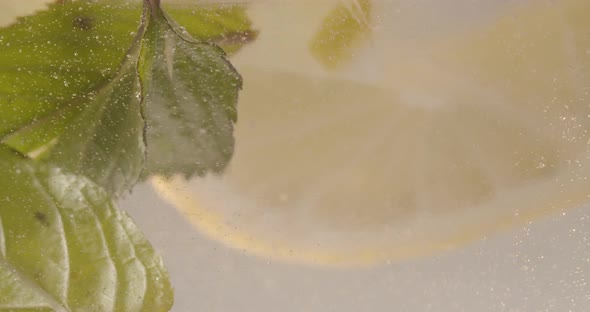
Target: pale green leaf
[226, 25]
[65, 247]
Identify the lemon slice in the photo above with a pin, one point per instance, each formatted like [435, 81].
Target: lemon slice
[453, 139]
[342, 31]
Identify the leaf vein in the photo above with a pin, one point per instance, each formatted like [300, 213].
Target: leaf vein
[46, 191]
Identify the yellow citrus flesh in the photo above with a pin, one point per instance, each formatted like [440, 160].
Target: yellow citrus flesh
[456, 138]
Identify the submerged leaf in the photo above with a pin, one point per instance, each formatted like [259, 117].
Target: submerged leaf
[225, 25]
[100, 135]
[65, 247]
[52, 58]
[191, 94]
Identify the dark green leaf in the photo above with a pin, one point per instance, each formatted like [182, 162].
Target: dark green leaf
[191, 93]
[65, 247]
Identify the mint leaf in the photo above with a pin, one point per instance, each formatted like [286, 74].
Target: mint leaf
[191, 94]
[225, 25]
[99, 135]
[65, 247]
[54, 57]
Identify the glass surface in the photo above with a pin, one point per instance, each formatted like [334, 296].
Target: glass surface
[391, 155]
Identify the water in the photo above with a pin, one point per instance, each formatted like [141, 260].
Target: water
[443, 192]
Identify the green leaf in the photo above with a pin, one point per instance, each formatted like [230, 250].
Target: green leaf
[191, 94]
[225, 25]
[342, 31]
[52, 58]
[99, 135]
[65, 247]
